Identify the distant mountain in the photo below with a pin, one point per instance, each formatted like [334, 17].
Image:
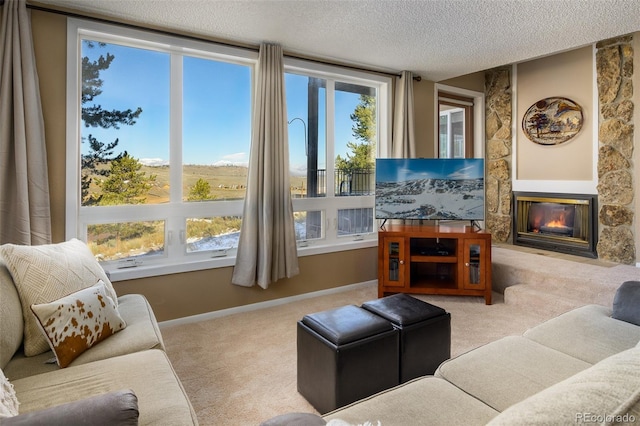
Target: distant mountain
[153, 162]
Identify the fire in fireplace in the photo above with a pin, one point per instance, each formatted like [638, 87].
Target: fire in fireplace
[551, 218]
[558, 222]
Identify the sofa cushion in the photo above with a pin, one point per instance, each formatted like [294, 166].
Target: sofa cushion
[11, 325]
[626, 302]
[608, 392]
[426, 400]
[587, 333]
[8, 399]
[47, 272]
[76, 322]
[141, 333]
[119, 408]
[149, 374]
[506, 371]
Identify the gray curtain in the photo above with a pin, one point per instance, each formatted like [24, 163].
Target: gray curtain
[25, 216]
[267, 247]
[403, 141]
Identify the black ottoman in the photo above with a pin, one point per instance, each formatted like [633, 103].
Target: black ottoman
[425, 332]
[344, 355]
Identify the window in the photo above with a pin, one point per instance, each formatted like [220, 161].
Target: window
[337, 123]
[455, 126]
[159, 133]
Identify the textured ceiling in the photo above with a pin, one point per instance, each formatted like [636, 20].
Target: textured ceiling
[437, 39]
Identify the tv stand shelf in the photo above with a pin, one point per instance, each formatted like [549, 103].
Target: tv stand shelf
[437, 259]
[419, 259]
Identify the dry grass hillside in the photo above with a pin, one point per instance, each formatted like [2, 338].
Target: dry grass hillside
[227, 182]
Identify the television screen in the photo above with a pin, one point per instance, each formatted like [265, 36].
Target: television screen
[430, 188]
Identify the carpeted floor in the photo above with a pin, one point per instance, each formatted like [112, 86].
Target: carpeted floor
[240, 369]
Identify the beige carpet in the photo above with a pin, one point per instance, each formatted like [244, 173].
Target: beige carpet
[240, 369]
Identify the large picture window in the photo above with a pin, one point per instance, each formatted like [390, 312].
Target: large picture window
[159, 133]
[159, 137]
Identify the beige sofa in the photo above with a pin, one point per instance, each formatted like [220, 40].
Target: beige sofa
[580, 367]
[132, 362]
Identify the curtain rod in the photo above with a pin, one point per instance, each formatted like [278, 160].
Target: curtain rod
[201, 39]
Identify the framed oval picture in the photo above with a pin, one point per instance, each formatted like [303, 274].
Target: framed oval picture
[552, 121]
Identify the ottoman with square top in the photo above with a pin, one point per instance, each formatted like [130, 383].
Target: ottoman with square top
[425, 332]
[345, 354]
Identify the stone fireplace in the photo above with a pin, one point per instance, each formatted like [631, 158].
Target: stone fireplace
[565, 223]
[617, 173]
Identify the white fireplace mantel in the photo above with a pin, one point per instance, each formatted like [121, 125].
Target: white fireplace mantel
[561, 187]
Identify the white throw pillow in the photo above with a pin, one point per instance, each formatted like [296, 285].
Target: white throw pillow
[8, 400]
[78, 321]
[46, 273]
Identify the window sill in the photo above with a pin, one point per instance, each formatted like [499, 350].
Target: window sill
[145, 271]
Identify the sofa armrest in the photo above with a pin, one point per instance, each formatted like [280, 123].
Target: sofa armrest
[626, 303]
[113, 408]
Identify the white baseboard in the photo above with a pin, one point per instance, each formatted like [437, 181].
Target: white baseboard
[262, 305]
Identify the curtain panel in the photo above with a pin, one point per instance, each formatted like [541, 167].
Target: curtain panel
[403, 141]
[267, 247]
[25, 216]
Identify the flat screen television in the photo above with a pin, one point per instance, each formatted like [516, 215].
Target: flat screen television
[430, 188]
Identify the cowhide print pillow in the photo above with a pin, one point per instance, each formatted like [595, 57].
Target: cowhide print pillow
[78, 321]
[48, 272]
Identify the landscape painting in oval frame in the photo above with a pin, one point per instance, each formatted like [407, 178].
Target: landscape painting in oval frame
[552, 121]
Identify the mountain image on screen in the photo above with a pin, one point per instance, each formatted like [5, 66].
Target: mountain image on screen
[435, 189]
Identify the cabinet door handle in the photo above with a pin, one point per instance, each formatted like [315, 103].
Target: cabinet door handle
[402, 262]
[466, 264]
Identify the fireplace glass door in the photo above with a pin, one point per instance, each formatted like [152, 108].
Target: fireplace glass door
[556, 223]
[555, 219]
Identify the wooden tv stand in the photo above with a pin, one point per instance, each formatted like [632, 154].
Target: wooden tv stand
[451, 260]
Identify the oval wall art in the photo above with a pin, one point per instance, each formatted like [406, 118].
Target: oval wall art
[552, 121]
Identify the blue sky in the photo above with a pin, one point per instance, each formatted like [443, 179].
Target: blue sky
[216, 123]
[393, 170]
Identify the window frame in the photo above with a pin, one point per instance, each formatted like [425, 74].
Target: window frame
[330, 203]
[475, 114]
[176, 260]
[457, 103]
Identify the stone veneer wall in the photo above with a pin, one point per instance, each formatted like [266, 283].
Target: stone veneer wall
[614, 67]
[498, 152]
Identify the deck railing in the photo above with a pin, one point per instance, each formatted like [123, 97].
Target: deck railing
[350, 182]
